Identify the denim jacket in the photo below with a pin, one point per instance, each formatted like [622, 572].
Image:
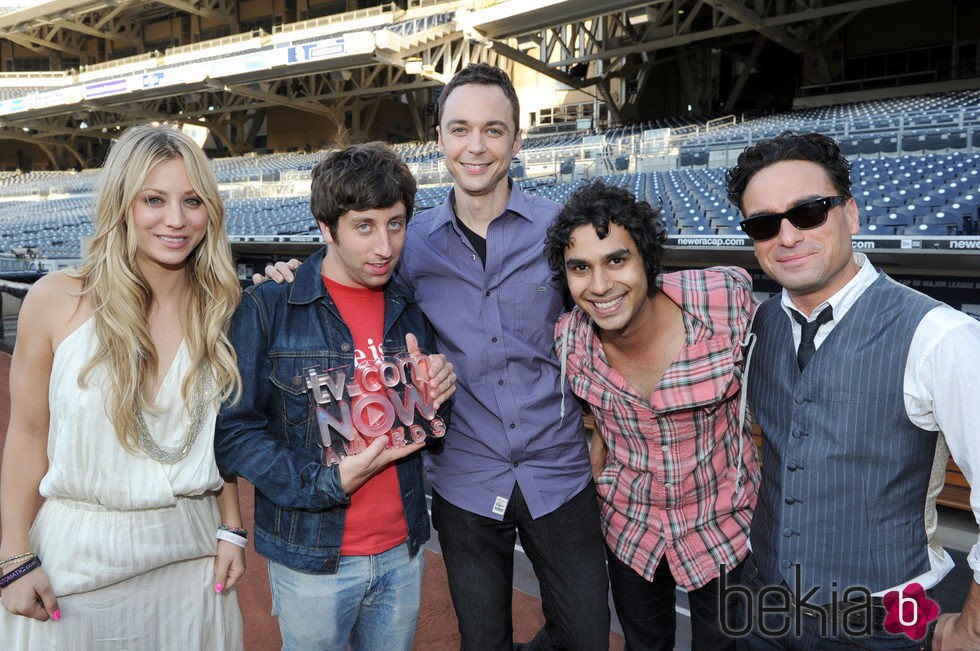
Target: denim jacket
[270, 436]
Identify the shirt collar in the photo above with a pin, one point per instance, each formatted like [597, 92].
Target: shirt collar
[684, 293]
[518, 203]
[845, 297]
[307, 285]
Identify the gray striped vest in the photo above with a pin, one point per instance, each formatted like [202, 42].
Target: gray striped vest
[845, 472]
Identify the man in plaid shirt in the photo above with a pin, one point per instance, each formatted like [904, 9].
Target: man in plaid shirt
[659, 358]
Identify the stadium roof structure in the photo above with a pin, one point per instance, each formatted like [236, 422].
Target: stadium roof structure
[333, 66]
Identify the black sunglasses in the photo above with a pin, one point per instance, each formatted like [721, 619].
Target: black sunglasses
[806, 215]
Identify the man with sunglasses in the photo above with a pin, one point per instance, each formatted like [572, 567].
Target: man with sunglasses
[859, 384]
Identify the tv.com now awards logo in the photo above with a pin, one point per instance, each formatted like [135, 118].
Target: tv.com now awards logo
[910, 611]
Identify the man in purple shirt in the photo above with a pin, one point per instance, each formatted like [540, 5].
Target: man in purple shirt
[515, 457]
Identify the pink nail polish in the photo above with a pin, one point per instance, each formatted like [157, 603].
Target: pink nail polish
[56, 615]
[218, 587]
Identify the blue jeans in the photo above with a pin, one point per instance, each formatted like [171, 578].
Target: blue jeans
[566, 550]
[371, 603]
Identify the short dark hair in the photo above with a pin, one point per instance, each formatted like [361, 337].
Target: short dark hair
[813, 147]
[360, 177]
[486, 75]
[598, 204]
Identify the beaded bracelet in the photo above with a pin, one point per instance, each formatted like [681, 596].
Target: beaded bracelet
[18, 572]
[16, 559]
[233, 538]
[238, 531]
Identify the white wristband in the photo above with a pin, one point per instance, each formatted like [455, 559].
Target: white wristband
[233, 538]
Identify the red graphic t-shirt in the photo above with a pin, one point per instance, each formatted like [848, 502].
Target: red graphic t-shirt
[375, 520]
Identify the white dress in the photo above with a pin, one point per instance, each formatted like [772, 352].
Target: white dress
[128, 542]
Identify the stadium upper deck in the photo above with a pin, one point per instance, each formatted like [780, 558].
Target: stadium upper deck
[248, 70]
[917, 155]
[912, 203]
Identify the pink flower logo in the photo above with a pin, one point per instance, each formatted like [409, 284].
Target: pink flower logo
[909, 611]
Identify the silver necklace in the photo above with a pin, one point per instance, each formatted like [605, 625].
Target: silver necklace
[199, 410]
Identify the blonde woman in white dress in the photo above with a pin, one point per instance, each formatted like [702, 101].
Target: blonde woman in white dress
[117, 373]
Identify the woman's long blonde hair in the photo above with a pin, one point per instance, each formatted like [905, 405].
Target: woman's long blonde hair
[120, 296]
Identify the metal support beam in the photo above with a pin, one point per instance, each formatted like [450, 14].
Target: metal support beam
[272, 98]
[82, 28]
[534, 64]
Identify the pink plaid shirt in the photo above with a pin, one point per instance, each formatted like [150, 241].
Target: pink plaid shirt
[673, 486]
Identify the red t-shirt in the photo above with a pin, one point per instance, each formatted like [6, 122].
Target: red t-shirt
[375, 520]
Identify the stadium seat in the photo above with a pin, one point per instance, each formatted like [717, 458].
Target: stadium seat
[930, 229]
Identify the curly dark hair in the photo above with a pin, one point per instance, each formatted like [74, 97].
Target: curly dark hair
[598, 204]
[360, 177]
[483, 74]
[814, 147]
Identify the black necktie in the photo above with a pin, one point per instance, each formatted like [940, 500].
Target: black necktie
[806, 349]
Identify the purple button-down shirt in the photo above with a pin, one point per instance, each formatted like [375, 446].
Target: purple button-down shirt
[496, 326]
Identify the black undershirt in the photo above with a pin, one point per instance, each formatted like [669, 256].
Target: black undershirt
[476, 240]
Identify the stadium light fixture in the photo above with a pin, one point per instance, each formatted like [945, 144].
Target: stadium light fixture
[637, 16]
[527, 42]
[413, 66]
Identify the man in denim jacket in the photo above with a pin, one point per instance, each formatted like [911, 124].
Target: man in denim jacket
[341, 517]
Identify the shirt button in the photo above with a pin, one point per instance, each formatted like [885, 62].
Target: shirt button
[494, 340]
[798, 400]
[791, 467]
[297, 381]
[667, 484]
[785, 563]
[487, 294]
[665, 448]
[512, 425]
[516, 463]
[787, 532]
[790, 501]
[500, 382]
[345, 346]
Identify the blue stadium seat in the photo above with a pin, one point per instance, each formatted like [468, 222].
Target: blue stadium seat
[930, 229]
[875, 229]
